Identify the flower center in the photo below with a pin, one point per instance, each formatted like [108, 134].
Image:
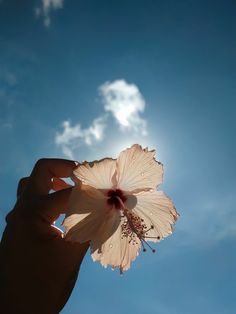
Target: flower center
[115, 197]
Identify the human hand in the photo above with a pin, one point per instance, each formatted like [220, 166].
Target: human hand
[38, 268]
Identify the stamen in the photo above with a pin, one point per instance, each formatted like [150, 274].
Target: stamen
[146, 231]
[143, 247]
[153, 250]
[158, 238]
[135, 226]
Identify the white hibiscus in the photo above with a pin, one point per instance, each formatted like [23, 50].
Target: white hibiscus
[116, 207]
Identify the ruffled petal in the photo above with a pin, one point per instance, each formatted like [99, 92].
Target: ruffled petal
[137, 170]
[118, 222]
[87, 209]
[99, 174]
[116, 250]
[157, 215]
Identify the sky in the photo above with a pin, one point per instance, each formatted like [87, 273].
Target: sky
[84, 80]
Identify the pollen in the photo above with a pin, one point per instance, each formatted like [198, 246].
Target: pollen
[134, 228]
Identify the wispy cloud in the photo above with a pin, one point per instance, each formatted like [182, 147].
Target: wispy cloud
[125, 102]
[73, 136]
[45, 9]
[122, 102]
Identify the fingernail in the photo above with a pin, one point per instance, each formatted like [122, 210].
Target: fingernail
[76, 163]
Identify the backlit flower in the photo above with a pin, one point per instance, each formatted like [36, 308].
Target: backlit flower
[115, 206]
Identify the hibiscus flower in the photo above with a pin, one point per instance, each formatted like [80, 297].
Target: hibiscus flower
[116, 207]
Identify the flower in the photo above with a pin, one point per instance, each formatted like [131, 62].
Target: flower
[115, 206]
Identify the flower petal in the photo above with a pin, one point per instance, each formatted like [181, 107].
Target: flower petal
[98, 174]
[87, 209]
[116, 251]
[157, 212]
[138, 170]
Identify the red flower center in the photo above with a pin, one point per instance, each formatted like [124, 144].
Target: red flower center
[115, 197]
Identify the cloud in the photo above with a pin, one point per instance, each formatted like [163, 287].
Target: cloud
[73, 136]
[125, 102]
[122, 102]
[45, 9]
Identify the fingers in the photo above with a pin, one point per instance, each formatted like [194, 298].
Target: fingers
[22, 185]
[55, 204]
[44, 177]
[45, 169]
[59, 184]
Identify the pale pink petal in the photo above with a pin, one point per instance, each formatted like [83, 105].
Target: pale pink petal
[118, 222]
[116, 250]
[98, 174]
[87, 209]
[157, 214]
[106, 230]
[137, 169]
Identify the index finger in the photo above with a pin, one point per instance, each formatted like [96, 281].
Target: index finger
[40, 181]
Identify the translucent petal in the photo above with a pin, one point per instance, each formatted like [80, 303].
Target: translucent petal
[106, 230]
[137, 169]
[158, 214]
[114, 250]
[98, 174]
[87, 209]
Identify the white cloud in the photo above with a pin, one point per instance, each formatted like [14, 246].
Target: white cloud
[125, 102]
[73, 136]
[122, 102]
[45, 9]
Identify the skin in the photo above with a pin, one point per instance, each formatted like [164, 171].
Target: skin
[38, 267]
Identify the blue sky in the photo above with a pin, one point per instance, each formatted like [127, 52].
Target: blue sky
[173, 64]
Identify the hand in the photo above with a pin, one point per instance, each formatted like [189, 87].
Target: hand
[38, 268]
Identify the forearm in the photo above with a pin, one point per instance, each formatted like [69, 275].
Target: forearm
[31, 282]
